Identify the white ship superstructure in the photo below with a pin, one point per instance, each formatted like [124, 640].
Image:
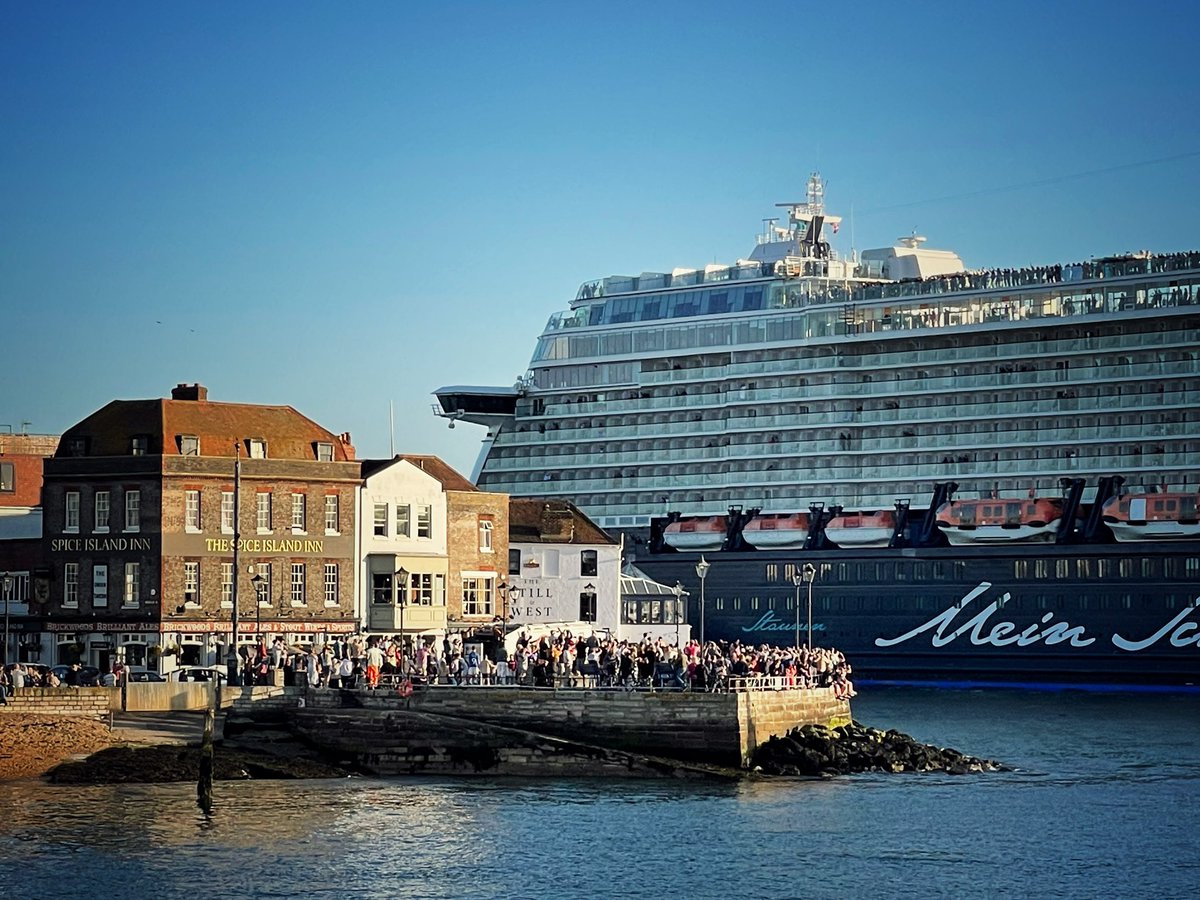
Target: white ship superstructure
[797, 376]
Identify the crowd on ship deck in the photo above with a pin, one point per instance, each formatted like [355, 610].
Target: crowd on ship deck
[986, 279]
[558, 659]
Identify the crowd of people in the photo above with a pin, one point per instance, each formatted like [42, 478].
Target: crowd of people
[555, 659]
[18, 676]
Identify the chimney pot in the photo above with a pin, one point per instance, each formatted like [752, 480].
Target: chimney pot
[189, 392]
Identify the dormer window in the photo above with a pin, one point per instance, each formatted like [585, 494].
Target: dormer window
[258, 448]
[139, 445]
[189, 445]
[324, 451]
[77, 446]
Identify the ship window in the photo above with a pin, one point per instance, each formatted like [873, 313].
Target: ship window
[1021, 568]
[902, 571]
[720, 603]
[737, 603]
[1103, 568]
[1039, 568]
[1150, 568]
[1084, 567]
[1125, 568]
[1083, 602]
[939, 570]
[1062, 568]
[754, 603]
[1191, 566]
[772, 573]
[881, 573]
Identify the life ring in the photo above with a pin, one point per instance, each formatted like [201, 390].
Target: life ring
[405, 688]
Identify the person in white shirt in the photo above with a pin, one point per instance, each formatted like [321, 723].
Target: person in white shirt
[345, 672]
[374, 665]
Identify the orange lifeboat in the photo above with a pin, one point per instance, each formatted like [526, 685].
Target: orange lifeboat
[1166, 516]
[868, 529]
[774, 530]
[699, 533]
[999, 520]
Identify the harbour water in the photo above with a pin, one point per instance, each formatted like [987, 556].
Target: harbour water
[1103, 800]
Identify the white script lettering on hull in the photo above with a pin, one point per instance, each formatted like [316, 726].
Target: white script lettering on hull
[1177, 628]
[1003, 633]
[1000, 635]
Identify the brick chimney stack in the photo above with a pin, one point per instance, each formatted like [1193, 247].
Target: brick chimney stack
[189, 392]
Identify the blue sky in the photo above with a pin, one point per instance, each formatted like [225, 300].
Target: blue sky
[338, 206]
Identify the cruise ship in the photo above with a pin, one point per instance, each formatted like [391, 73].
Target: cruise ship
[948, 473]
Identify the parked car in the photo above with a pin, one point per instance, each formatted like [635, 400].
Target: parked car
[145, 675]
[200, 673]
[89, 676]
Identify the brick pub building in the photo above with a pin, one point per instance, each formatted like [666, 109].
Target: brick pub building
[138, 531]
[21, 458]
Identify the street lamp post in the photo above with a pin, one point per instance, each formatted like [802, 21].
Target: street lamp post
[702, 568]
[678, 591]
[402, 601]
[8, 583]
[234, 675]
[797, 580]
[810, 575]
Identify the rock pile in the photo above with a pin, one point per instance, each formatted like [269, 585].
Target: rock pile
[817, 750]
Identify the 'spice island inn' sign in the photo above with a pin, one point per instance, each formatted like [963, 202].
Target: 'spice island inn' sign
[98, 545]
[264, 545]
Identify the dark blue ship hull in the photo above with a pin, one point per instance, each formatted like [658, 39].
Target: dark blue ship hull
[1098, 614]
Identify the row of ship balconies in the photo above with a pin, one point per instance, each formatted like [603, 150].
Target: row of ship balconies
[837, 472]
[1045, 438]
[897, 389]
[909, 415]
[824, 359]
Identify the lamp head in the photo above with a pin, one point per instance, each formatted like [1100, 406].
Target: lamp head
[702, 567]
[810, 572]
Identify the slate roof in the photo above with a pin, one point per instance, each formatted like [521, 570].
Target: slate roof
[543, 521]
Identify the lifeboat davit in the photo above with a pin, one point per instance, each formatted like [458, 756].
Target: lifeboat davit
[999, 520]
[776, 530]
[1165, 516]
[699, 533]
[868, 529]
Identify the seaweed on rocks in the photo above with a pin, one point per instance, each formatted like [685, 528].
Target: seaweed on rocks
[815, 750]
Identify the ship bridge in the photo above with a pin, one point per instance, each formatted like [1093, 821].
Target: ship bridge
[491, 407]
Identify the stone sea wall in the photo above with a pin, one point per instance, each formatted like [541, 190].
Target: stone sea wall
[63, 701]
[722, 729]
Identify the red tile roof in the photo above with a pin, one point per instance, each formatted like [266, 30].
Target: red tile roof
[219, 426]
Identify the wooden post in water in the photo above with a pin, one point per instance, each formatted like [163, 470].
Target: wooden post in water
[204, 789]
